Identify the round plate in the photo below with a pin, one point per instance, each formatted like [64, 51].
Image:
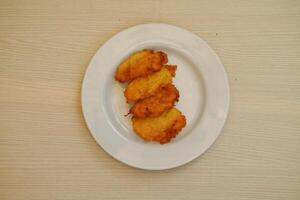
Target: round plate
[200, 79]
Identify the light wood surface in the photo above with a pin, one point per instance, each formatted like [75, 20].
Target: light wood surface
[47, 152]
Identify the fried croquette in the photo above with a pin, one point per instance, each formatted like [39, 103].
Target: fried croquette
[161, 129]
[143, 87]
[140, 64]
[155, 105]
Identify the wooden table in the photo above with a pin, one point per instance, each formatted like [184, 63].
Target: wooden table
[47, 152]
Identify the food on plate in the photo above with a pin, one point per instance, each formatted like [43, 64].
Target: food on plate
[143, 87]
[155, 105]
[140, 64]
[152, 95]
[162, 128]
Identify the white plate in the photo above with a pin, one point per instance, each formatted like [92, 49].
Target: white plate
[200, 79]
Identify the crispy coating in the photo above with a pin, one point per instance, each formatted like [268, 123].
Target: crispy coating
[143, 87]
[160, 129]
[139, 64]
[172, 69]
[155, 105]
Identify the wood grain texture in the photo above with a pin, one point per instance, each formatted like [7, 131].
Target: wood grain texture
[46, 151]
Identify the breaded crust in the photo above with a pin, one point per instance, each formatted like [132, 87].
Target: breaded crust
[140, 64]
[161, 129]
[143, 87]
[172, 69]
[155, 105]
